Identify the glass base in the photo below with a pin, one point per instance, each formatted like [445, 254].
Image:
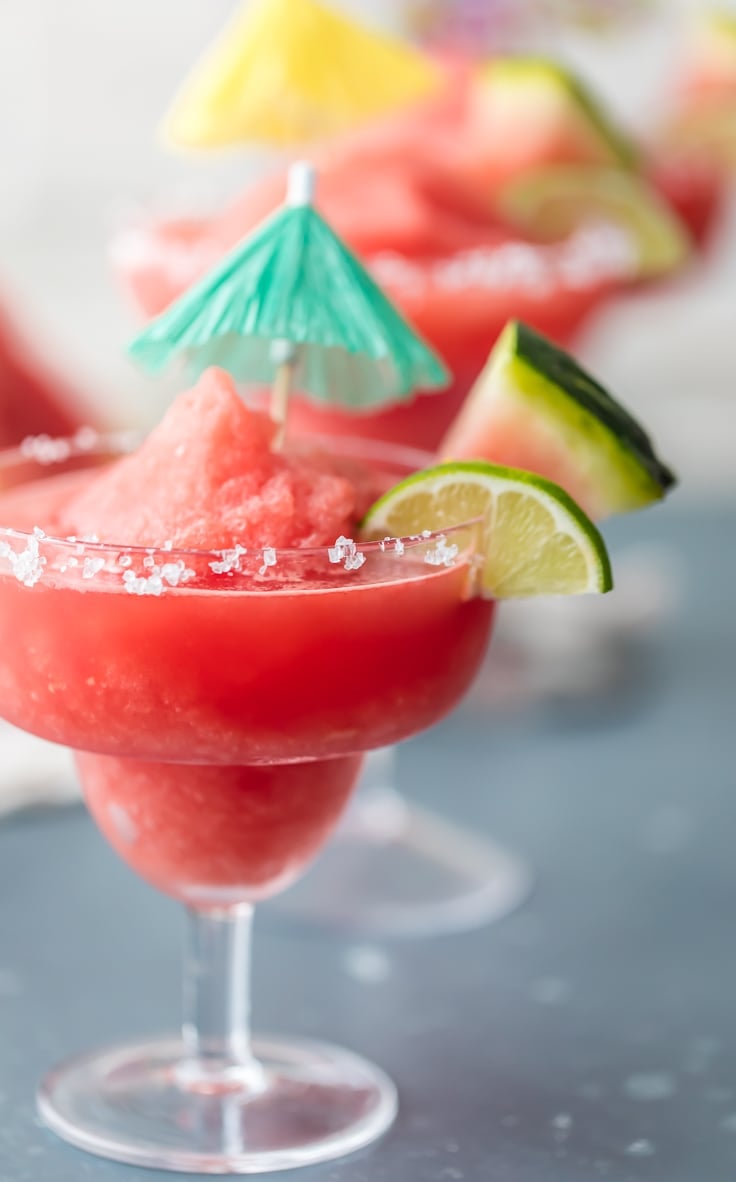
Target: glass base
[138, 1104]
[396, 869]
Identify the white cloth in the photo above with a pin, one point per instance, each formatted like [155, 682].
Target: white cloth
[33, 772]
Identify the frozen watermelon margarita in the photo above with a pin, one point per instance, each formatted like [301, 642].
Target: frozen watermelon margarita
[198, 622]
[221, 623]
[240, 627]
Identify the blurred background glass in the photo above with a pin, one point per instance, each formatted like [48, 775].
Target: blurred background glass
[82, 87]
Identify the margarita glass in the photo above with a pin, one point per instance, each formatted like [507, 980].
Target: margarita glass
[220, 704]
[459, 297]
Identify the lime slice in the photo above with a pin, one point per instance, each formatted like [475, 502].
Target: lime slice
[534, 407]
[535, 539]
[551, 203]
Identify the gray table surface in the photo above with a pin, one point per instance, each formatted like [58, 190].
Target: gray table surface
[590, 1035]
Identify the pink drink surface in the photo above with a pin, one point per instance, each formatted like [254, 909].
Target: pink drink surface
[239, 671]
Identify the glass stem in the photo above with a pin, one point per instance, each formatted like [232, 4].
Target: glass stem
[379, 812]
[216, 1026]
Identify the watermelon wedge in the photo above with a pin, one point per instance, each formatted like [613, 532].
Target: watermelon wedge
[703, 124]
[534, 408]
[33, 400]
[490, 124]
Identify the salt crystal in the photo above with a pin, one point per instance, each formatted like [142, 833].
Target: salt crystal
[89, 538]
[44, 449]
[168, 544]
[442, 554]
[354, 561]
[337, 552]
[27, 566]
[138, 585]
[595, 251]
[86, 438]
[269, 559]
[346, 551]
[171, 573]
[174, 573]
[394, 270]
[229, 560]
[91, 566]
[394, 544]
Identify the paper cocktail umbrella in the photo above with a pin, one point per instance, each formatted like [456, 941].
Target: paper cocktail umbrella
[291, 305]
[291, 71]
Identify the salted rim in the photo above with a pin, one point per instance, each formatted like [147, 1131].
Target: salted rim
[88, 442]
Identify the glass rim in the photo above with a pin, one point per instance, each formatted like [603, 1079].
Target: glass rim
[89, 442]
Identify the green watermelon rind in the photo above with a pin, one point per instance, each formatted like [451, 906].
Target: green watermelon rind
[518, 69]
[628, 473]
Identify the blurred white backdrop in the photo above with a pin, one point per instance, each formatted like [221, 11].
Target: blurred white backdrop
[82, 86]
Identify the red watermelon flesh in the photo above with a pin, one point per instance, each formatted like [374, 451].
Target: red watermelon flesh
[33, 400]
[695, 188]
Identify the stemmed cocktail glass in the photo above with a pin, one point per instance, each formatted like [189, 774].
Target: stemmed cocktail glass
[220, 705]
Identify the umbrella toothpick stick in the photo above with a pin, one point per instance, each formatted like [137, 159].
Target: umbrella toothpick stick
[284, 355]
[292, 306]
[300, 191]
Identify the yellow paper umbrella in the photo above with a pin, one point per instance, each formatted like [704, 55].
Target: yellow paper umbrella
[289, 71]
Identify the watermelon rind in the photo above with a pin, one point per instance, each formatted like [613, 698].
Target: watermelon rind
[542, 387]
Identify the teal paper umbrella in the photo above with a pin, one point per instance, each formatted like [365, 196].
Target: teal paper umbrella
[291, 305]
